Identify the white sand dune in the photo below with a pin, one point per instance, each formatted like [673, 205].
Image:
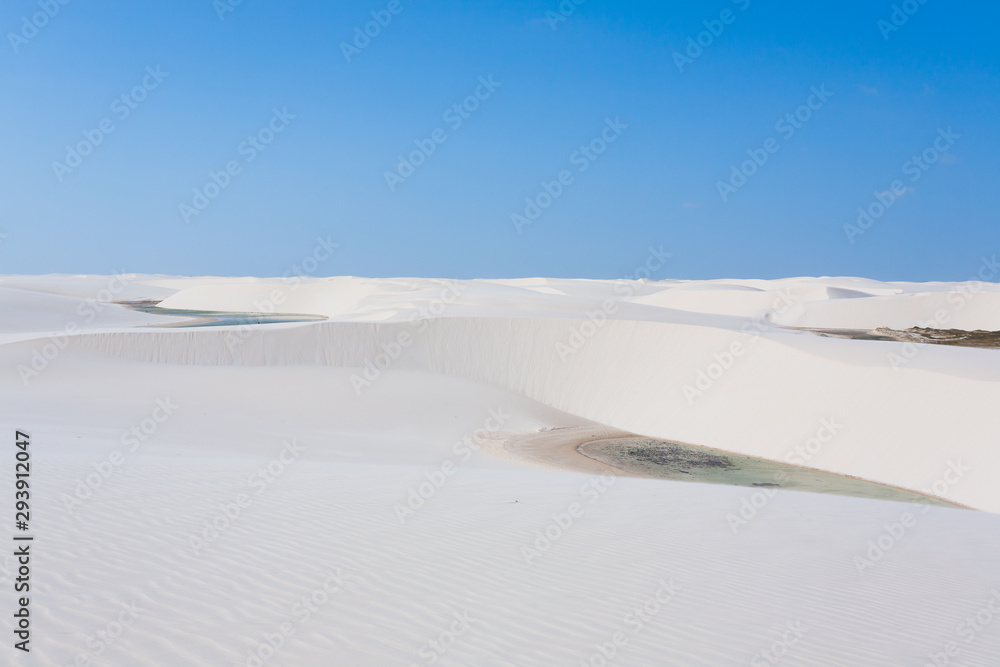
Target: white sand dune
[365, 513]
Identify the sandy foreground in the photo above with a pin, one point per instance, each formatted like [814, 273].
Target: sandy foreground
[371, 488]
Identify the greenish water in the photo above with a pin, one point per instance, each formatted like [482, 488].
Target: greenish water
[680, 462]
[218, 318]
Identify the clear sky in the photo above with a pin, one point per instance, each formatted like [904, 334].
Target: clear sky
[120, 121]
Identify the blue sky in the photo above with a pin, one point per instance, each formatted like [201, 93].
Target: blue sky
[234, 75]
